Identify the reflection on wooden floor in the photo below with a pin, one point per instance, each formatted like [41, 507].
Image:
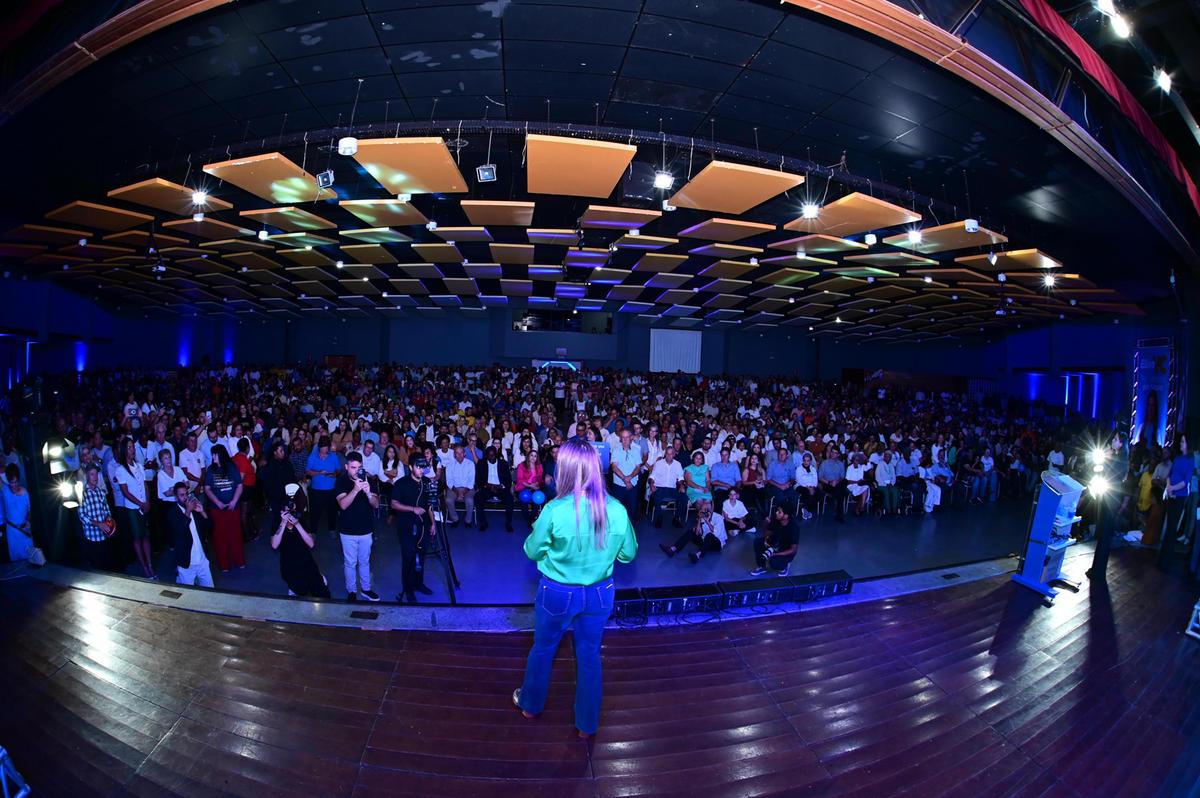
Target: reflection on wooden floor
[968, 691]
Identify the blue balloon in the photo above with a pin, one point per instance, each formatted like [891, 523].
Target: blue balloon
[526, 496]
[539, 497]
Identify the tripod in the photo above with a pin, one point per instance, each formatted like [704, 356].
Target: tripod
[439, 547]
[11, 783]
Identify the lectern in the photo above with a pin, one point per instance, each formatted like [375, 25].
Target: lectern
[1050, 534]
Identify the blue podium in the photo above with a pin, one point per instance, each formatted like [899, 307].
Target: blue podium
[1050, 525]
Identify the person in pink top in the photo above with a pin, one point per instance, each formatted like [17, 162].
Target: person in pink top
[529, 477]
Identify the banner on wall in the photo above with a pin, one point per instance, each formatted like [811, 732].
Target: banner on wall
[1152, 366]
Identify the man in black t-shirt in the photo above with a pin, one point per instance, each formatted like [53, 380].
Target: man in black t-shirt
[777, 548]
[411, 499]
[356, 525]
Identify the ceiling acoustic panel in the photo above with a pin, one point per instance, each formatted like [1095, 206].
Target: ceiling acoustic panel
[422, 271]
[889, 260]
[725, 251]
[624, 293]
[788, 276]
[226, 244]
[723, 301]
[270, 176]
[207, 227]
[304, 239]
[479, 235]
[634, 240]
[616, 218]
[98, 217]
[728, 269]
[500, 213]
[289, 218]
[367, 253]
[854, 213]
[376, 235]
[438, 253]
[166, 196]
[307, 257]
[484, 271]
[946, 237]
[419, 165]
[727, 187]
[46, 234]
[384, 212]
[21, 251]
[725, 230]
[575, 167]
[658, 262]
[1013, 260]
[554, 237]
[818, 244]
[668, 280]
[512, 253]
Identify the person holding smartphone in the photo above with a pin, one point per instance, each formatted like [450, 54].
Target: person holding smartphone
[189, 527]
[296, 564]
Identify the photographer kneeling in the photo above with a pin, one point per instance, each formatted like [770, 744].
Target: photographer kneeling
[294, 544]
[777, 548]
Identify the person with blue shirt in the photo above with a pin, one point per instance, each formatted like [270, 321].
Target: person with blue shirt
[779, 477]
[1178, 489]
[723, 477]
[626, 469]
[322, 468]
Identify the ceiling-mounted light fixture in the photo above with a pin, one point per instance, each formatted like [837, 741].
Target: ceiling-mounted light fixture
[83, 242]
[992, 258]
[486, 173]
[1120, 26]
[801, 255]
[198, 217]
[199, 197]
[1001, 277]
[927, 279]
[914, 236]
[1162, 80]
[971, 225]
[431, 225]
[663, 179]
[347, 145]
[341, 265]
[1106, 7]
[262, 234]
[1048, 281]
[810, 210]
[870, 239]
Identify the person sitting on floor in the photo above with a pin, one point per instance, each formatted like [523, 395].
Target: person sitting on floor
[738, 520]
[777, 548]
[708, 534]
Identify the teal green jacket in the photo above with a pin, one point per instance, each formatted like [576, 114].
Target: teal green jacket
[563, 548]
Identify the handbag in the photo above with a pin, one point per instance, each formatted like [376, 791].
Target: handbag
[108, 526]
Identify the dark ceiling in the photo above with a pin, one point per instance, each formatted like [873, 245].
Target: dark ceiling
[741, 72]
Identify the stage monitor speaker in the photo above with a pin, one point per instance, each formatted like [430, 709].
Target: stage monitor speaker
[686, 598]
[810, 587]
[756, 592]
[629, 604]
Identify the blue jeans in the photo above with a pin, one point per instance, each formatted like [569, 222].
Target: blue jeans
[984, 486]
[559, 607]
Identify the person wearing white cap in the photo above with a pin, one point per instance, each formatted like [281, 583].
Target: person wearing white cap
[294, 544]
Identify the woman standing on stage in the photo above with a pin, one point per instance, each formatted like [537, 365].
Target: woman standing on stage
[574, 543]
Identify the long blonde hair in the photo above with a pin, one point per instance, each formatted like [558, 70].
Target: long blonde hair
[578, 475]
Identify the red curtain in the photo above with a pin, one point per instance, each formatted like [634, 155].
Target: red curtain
[1049, 21]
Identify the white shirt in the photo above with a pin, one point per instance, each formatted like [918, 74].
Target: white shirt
[1056, 461]
[988, 463]
[806, 478]
[715, 526]
[166, 484]
[194, 462]
[712, 456]
[134, 479]
[493, 470]
[734, 509]
[462, 475]
[666, 475]
[444, 458]
[373, 465]
[654, 451]
[198, 559]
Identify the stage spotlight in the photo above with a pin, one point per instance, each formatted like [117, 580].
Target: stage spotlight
[1106, 7]
[486, 173]
[914, 236]
[55, 453]
[1163, 80]
[262, 235]
[663, 180]
[992, 258]
[870, 239]
[667, 206]
[810, 210]
[971, 225]
[927, 279]
[199, 197]
[1098, 486]
[1001, 277]
[198, 217]
[347, 145]
[1048, 281]
[1120, 26]
[83, 242]
[801, 255]
[1098, 457]
[838, 320]
[431, 225]
[341, 264]
[65, 489]
[404, 197]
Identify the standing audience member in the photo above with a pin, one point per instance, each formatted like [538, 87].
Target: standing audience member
[129, 480]
[323, 467]
[412, 500]
[296, 564]
[96, 520]
[223, 487]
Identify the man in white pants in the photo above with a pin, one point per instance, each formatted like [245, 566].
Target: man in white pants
[186, 520]
[356, 526]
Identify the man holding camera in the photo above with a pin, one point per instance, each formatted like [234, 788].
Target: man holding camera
[356, 527]
[777, 548]
[185, 520]
[412, 501]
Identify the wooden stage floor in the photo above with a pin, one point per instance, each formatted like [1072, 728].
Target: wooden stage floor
[973, 690]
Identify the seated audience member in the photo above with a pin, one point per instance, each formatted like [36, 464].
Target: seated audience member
[696, 477]
[831, 476]
[493, 482]
[626, 470]
[460, 486]
[885, 483]
[934, 483]
[667, 486]
[738, 519]
[776, 549]
[530, 477]
[808, 485]
[708, 534]
[753, 483]
[908, 478]
[856, 483]
[189, 528]
[296, 564]
[724, 476]
[779, 477]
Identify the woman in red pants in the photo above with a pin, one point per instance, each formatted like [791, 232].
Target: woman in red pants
[223, 487]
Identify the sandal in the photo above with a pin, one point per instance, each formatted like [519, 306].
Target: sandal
[516, 696]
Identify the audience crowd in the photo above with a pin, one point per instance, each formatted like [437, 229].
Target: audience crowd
[172, 459]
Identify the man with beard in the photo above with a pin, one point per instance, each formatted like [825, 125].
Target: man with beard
[493, 480]
[412, 499]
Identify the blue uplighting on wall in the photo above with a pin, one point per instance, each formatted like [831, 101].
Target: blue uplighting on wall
[185, 345]
[80, 355]
[1035, 385]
